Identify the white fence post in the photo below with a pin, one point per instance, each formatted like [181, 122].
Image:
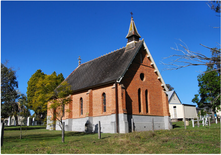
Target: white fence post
[33, 121]
[9, 121]
[203, 121]
[28, 121]
[192, 122]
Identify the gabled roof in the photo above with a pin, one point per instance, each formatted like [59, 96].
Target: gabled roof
[109, 68]
[170, 95]
[106, 69]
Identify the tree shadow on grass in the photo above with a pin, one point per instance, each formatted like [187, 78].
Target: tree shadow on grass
[105, 137]
[175, 126]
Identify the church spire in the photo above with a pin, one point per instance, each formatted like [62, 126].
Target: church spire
[133, 34]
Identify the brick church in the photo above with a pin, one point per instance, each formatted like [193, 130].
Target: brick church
[115, 89]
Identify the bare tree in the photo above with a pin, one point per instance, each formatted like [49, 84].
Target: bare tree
[215, 6]
[59, 98]
[169, 87]
[188, 58]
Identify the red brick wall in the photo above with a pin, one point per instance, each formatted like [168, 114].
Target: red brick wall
[98, 102]
[165, 104]
[132, 82]
[76, 107]
[92, 102]
[49, 111]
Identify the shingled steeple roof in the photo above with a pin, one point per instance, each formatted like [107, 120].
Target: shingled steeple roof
[133, 34]
[103, 70]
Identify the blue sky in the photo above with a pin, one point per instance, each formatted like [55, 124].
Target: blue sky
[52, 35]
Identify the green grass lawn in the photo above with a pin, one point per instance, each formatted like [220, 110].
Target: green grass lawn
[195, 140]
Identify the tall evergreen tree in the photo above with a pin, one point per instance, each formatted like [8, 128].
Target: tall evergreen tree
[9, 94]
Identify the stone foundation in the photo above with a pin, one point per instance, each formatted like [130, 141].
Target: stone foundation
[108, 123]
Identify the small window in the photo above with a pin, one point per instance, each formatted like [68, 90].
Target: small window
[104, 102]
[81, 104]
[142, 76]
[174, 106]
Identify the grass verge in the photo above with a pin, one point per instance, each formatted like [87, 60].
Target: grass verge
[197, 140]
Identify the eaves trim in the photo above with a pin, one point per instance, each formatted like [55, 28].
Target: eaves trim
[155, 66]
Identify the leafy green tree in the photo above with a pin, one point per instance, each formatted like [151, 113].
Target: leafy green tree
[9, 94]
[209, 90]
[58, 99]
[31, 89]
[40, 86]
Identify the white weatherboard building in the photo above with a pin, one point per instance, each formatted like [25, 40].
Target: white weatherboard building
[179, 111]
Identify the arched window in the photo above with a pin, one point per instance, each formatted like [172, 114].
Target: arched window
[146, 100]
[139, 99]
[104, 102]
[81, 104]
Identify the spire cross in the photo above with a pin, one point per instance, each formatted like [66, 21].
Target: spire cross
[79, 62]
[131, 14]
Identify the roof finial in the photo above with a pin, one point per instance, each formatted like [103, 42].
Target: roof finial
[131, 14]
[79, 61]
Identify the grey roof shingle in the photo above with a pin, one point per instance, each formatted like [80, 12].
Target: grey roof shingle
[102, 70]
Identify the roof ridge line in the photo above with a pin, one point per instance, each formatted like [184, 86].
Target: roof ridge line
[71, 73]
[102, 56]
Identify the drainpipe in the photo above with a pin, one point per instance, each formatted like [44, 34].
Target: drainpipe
[116, 94]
